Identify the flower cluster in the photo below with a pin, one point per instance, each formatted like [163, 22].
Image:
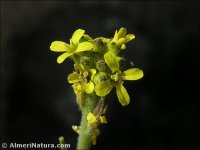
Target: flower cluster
[97, 64]
[97, 70]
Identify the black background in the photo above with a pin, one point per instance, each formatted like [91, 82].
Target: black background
[38, 105]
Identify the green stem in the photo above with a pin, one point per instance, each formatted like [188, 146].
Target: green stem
[85, 136]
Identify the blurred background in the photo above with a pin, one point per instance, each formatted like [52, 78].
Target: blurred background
[38, 105]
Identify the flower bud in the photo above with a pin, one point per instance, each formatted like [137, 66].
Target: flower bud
[99, 45]
[101, 65]
[88, 60]
[85, 61]
[99, 77]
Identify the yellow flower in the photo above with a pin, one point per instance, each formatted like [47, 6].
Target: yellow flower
[94, 120]
[120, 38]
[82, 78]
[73, 47]
[78, 90]
[104, 88]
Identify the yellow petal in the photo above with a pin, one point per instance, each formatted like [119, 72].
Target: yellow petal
[84, 46]
[78, 89]
[62, 57]
[121, 41]
[74, 77]
[112, 61]
[122, 95]
[91, 118]
[88, 87]
[103, 88]
[133, 74]
[93, 71]
[77, 35]
[130, 37]
[59, 46]
[122, 32]
[123, 46]
[103, 119]
[115, 37]
[74, 46]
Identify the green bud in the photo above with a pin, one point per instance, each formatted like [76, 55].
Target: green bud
[100, 77]
[85, 38]
[89, 59]
[101, 65]
[85, 61]
[99, 45]
[111, 46]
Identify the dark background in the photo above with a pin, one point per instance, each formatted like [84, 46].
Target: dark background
[38, 105]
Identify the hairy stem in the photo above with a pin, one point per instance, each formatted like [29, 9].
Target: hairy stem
[85, 135]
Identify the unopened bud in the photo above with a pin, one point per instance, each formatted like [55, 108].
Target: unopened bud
[98, 45]
[99, 77]
[85, 61]
[101, 65]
